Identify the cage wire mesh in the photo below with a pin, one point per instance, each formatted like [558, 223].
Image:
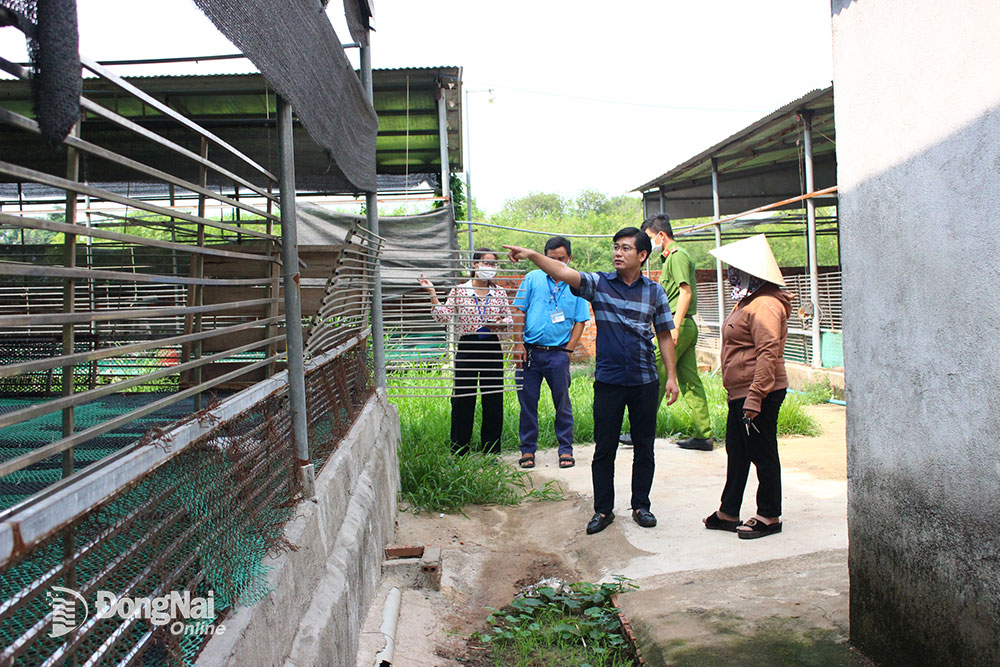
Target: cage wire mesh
[152, 307]
[203, 522]
[422, 340]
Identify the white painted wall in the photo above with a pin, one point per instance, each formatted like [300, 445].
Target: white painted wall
[917, 87]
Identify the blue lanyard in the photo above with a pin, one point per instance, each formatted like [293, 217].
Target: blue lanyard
[556, 292]
[482, 310]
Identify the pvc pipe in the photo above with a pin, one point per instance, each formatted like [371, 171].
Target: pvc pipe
[390, 618]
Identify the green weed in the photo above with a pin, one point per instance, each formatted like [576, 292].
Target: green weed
[430, 418]
[574, 626]
[816, 392]
[578, 626]
[432, 478]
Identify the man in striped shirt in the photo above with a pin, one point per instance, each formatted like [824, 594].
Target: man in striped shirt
[628, 307]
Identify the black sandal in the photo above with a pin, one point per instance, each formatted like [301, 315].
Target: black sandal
[714, 522]
[527, 461]
[566, 461]
[758, 529]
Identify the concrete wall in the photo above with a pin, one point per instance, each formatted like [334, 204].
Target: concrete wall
[321, 590]
[918, 129]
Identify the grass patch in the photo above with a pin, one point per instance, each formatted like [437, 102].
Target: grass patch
[430, 419]
[574, 625]
[817, 392]
[433, 479]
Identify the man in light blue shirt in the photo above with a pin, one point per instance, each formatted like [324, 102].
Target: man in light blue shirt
[551, 320]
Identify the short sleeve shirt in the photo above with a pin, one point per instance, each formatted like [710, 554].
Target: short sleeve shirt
[626, 316]
[677, 268]
[540, 297]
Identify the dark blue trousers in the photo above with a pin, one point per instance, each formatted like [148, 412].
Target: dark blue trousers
[553, 367]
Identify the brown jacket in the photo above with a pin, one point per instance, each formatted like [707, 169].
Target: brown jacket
[753, 346]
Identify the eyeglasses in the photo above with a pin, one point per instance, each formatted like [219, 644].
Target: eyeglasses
[624, 248]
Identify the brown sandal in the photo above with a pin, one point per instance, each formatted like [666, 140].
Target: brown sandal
[566, 461]
[527, 461]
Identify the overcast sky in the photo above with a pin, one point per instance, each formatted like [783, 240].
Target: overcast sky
[586, 94]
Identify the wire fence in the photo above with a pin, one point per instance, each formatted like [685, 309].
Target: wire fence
[798, 346]
[432, 350]
[145, 431]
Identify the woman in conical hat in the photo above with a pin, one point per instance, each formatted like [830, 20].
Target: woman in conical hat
[753, 373]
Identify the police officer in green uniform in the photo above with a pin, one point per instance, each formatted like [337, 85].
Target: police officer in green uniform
[677, 277]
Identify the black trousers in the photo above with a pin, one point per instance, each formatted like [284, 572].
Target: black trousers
[477, 362]
[761, 449]
[610, 401]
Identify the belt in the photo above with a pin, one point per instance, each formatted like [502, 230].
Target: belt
[547, 348]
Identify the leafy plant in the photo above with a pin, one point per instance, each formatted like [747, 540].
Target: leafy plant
[817, 392]
[576, 625]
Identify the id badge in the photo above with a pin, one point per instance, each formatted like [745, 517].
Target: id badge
[557, 316]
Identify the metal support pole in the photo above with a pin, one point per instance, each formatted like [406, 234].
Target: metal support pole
[717, 213]
[445, 170]
[293, 305]
[273, 288]
[468, 171]
[69, 302]
[443, 141]
[199, 271]
[69, 341]
[662, 202]
[817, 356]
[371, 210]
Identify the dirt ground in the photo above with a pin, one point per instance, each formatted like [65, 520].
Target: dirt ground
[704, 597]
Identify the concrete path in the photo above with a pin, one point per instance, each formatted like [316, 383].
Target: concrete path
[705, 597]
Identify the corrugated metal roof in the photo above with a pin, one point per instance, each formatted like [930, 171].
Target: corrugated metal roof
[768, 141]
[405, 100]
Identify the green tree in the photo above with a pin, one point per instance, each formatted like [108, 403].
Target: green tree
[533, 206]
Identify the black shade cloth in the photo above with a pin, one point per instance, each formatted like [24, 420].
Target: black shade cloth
[414, 244]
[359, 14]
[294, 46]
[54, 48]
[151, 188]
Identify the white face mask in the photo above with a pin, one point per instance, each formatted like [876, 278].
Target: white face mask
[485, 273]
[657, 250]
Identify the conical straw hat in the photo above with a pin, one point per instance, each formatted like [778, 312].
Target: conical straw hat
[752, 255]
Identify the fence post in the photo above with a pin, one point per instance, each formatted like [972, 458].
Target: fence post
[293, 305]
[717, 213]
[817, 355]
[371, 211]
[198, 271]
[69, 342]
[468, 172]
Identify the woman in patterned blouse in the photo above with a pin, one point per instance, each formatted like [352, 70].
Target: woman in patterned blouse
[480, 310]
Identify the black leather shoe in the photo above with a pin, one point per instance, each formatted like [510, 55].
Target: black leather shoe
[625, 439]
[703, 444]
[600, 521]
[644, 518]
